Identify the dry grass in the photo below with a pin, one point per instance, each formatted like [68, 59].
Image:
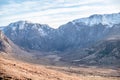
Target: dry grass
[90, 73]
[11, 69]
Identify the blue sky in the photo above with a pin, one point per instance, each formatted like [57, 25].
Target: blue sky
[53, 12]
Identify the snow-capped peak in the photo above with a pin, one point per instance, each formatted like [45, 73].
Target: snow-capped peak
[106, 19]
[19, 24]
[43, 29]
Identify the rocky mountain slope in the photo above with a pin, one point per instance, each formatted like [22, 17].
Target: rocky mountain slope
[4, 43]
[8, 48]
[104, 53]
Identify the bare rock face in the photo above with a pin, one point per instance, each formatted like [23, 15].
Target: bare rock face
[4, 43]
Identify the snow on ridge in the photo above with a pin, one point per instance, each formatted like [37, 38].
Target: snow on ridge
[106, 19]
[42, 32]
[22, 25]
[13, 28]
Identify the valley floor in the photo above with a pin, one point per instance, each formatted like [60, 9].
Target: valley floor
[11, 69]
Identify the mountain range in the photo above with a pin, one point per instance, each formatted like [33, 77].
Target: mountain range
[90, 40]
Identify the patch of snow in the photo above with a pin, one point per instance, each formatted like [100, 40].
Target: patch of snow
[41, 31]
[22, 25]
[13, 28]
[35, 26]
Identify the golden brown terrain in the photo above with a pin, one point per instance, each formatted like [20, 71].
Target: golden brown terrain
[90, 73]
[11, 69]
[16, 70]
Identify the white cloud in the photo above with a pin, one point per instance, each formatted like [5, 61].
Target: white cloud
[55, 12]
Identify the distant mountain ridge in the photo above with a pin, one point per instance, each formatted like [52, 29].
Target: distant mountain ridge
[80, 33]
